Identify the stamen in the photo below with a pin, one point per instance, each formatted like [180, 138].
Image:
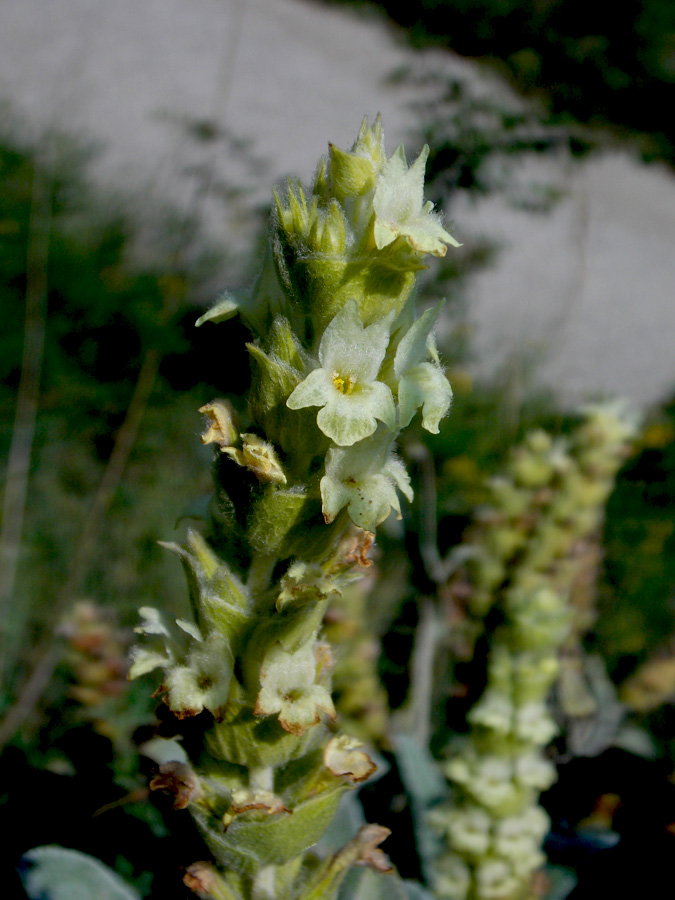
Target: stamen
[342, 384]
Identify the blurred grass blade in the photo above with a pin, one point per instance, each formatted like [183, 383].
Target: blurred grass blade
[18, 464]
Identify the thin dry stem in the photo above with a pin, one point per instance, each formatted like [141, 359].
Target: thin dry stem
[18, 464]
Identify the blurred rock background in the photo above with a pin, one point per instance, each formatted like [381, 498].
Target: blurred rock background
[199, 107]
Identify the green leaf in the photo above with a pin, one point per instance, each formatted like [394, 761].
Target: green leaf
[426, 786]
[251, 741]
[256, 839]
[345, 823]
[56, 873]
[285, 345]
[370, 885]
[275, 381]
[221, 599]
[562, 880]
[636, 740]
[420, 772]
[351, 175]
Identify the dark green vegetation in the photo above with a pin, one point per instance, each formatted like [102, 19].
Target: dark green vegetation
[638, 588]
[595, 64]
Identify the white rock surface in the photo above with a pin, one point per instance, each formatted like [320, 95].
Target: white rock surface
[584, 296]
[585, 292]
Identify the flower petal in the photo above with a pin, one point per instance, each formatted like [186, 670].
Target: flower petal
[146, 660]
[414, 345]
[349, 348]
[400, 210]
[399, 474]
[315, 390]
[348, 418]
[346, 422]
[424, 385]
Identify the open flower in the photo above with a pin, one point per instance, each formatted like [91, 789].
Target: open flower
[197, 669]
[533, 722]
[487, 778]
[400, 210]
[203, 681]
[534, 770]
[421, 382]
[288, 687]
[346, 386]
[519, 837]
[167, 642]
[452, 878]
[364, 479]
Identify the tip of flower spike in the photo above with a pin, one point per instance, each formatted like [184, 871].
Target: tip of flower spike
[370, 141]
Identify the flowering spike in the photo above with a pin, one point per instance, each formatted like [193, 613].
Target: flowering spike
[338, 367]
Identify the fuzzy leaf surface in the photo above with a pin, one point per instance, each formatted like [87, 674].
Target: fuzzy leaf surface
[57, 873]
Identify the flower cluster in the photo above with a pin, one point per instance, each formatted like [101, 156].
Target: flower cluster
[336, 338]
[548, 505]
[340, 365]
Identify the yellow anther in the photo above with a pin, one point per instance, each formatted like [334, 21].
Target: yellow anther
[343, 385]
